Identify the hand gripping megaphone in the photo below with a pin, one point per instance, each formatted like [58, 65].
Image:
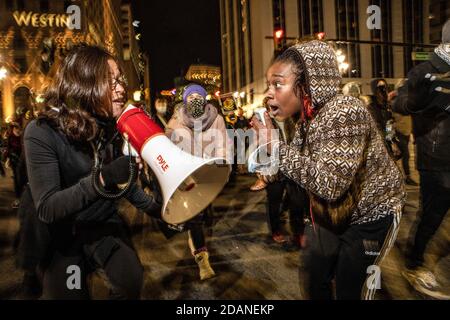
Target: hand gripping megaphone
[188, 183]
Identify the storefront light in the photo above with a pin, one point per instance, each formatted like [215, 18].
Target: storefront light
[3, 73]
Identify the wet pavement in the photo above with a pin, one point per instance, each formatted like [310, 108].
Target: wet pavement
[248, 264]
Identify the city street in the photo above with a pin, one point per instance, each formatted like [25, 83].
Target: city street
[345, 84]
[247, 263]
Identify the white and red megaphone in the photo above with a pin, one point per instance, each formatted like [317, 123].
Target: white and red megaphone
[188, 183]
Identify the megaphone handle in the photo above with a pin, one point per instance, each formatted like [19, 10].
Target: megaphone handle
[96, 170]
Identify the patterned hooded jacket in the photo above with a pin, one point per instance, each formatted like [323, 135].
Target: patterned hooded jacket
[341, 151]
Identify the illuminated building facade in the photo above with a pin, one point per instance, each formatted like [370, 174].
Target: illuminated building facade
[249, 30]
[204, 74]
[35, 32]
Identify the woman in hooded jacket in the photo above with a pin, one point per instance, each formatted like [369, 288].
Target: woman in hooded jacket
[339, 157]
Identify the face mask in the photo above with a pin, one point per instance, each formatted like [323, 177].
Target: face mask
[196, 107]
[382, 92]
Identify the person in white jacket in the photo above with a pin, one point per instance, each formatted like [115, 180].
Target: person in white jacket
[199, 129]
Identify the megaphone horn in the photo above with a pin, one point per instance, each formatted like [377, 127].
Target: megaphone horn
[188, 183]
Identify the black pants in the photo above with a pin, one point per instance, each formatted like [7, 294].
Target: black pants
[197, 233]
[16, 179]
[297, 203]
[403, 144]
[344, 258]
[111, 255]
[20, 178]
[435, 205]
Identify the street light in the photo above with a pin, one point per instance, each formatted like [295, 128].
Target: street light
[340, 57]
[3, 73]
[279, 34]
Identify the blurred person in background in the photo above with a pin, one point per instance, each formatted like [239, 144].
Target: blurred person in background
[426, 97]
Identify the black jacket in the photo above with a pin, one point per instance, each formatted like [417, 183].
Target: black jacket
[60, 180]
[431, 123]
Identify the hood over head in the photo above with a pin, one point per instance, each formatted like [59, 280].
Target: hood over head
[322, 71]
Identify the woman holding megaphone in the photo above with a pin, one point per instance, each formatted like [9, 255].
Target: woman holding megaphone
[72, 197]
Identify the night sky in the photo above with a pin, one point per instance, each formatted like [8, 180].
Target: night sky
[177, 33]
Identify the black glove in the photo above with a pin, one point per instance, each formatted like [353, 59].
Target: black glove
[441, 91]
[117, 172]
[432, 92]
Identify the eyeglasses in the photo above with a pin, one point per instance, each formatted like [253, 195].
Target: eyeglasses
[122, 80]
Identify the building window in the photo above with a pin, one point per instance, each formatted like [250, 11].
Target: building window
[245, 47]
[224, 24]
[231, 39]
[19, 43]
[413, 29]
[21, 64]
[310, 17]
[279, 16]
[347, 28]
[382, 54]
[242, 24]
[249, 37]
[439, 13]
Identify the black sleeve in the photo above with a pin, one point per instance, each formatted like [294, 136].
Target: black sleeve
[52, 202]
[151, 205]
[412, 95]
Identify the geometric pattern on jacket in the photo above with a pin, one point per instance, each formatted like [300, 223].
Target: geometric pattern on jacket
[342, 143]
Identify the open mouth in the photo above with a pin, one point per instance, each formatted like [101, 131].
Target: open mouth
[274, 110]
[119, 101]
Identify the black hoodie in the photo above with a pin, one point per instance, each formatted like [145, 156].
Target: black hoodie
[431, 124]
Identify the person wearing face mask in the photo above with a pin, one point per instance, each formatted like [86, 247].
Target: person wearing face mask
[426, 97]
[379, 107]
[199, 129]
[79, 228]
[338, 156]
[403, 130]
[161, 112]
[381, 111]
